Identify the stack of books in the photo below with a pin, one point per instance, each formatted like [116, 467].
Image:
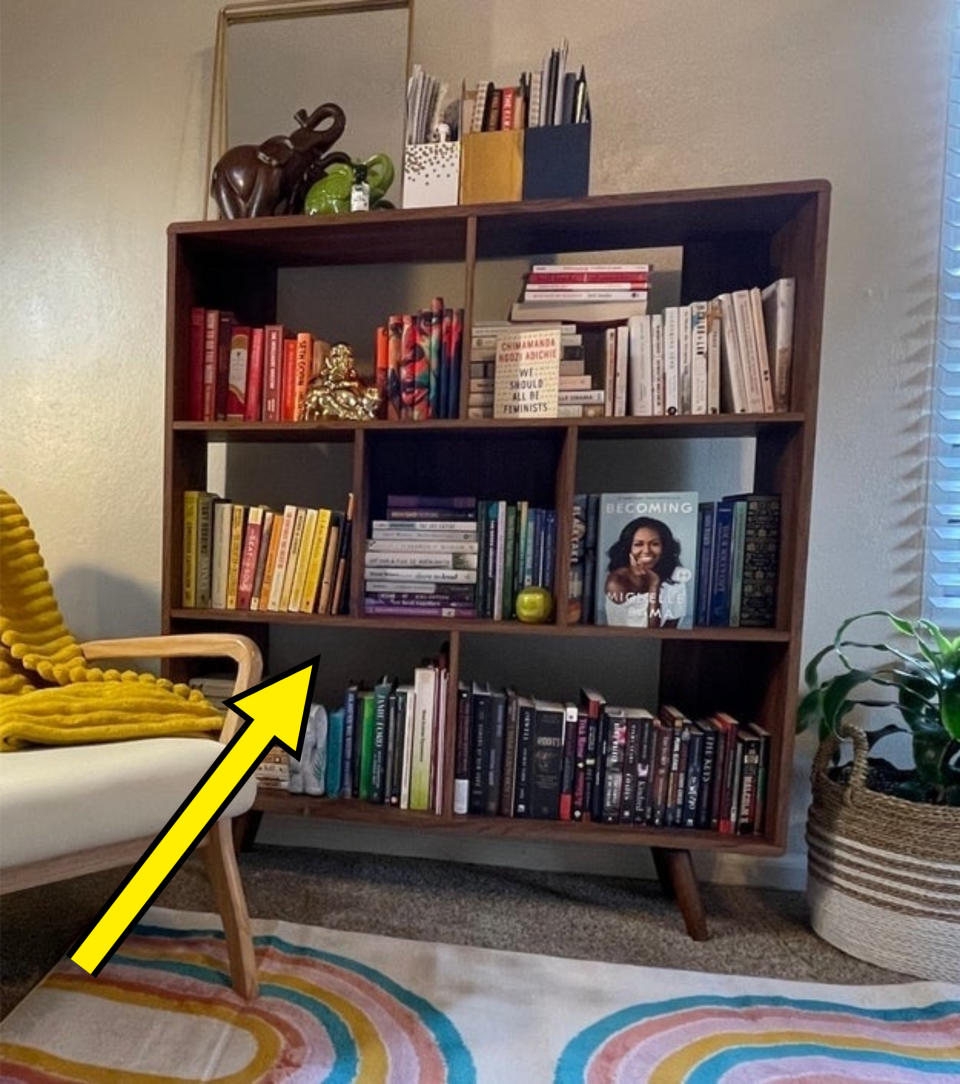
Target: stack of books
[584, 293]
[418, 363]
[385, 745]
[577, 396]
[732, 353]
[519, 756]
[421, 560]
[240, 557]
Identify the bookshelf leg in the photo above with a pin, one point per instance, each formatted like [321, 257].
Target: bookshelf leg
[663, 871]
[245, 830]
[677, 866]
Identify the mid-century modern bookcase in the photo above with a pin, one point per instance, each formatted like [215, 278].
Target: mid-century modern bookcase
[732, 238]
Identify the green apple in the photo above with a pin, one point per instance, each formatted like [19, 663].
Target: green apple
[534, 605]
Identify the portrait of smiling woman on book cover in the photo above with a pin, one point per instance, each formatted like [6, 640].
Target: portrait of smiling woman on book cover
[647, 558]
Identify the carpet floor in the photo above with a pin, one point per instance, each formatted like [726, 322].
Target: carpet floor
[753, 931]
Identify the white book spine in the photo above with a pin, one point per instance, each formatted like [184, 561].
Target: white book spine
[402, 546]
[283, 554]
[623, 361]
[671, 360]
[409, 722]
[582, 398]
[656, 357]
[713, 357]
[407, 587]
[732, 369]
[698, 360]
[536, 96]
[222, 528]
[422, 575]
[421, 560]
[533, 295]
[641, 367]
[778, 305]
[629, 270]
[746, 339]
[570, 410]
[760, 335]
[686, 366]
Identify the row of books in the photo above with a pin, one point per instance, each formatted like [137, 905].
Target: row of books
[554, 94]
[519, 756]
[457, 557]
[576, 395]
[650, 560]
[733, 353]
[417, 363]
[240, 557]
[243, 373]
[385, 745]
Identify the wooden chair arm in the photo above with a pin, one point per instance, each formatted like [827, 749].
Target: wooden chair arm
[241, 649]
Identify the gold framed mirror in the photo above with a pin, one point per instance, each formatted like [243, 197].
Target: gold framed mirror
[275, 57]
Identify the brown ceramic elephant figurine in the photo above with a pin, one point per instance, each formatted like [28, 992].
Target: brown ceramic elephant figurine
[253, 182]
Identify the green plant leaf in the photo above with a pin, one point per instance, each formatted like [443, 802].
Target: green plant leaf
[950, 709]
[810, 709]
[810, 677]
[836, 695]
[929, 749]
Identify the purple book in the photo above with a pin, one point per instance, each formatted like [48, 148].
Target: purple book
[379, 609]
[395, 500]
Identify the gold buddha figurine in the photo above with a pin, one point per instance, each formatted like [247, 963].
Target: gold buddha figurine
[337, 390]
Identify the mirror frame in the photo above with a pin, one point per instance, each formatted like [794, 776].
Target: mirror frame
[265, 11]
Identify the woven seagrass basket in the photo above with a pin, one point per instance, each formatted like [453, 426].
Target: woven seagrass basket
[883, 873]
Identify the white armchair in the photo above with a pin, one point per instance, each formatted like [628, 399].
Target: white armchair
[71, 810]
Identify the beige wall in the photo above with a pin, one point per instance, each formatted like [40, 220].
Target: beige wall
[103, 133]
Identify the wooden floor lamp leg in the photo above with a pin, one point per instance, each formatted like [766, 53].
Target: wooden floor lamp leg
[221, 863]
[677, 868]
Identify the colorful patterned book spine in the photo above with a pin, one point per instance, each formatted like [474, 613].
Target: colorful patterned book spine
[436, 327]
[456, 360]
[394, 354]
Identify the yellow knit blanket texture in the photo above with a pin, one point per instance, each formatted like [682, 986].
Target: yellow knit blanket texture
[49, 695]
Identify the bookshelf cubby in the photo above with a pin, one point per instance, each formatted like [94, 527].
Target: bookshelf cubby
[732, 237]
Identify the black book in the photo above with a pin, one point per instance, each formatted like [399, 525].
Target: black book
[381, 699]
[644, 767]
[615, 729]
[569, 761]
[750, 771]
[508, 774]
[580, 765]
[600, 769]
[631, 752]
[707, 772]
[694, 770]
[762, 773]
[493, 765]
[391, 747]
[399, 741]
[591, 702]
[462, 752]
[526, 727]
[479, 729]
[547, 760]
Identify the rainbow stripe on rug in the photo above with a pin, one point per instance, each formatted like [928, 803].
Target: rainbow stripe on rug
[344, 1007]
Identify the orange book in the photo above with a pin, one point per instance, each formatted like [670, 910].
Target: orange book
[271, 565]
[304, 366]
[288, 381]
[381, 356]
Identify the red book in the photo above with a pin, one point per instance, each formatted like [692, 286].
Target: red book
[507, 98]
[248, 558]
[224, 334]
[211, 329]
[252, 407]
[273, 375]
[195, 374]
[237, 373]
[288, 381]
[560, 277]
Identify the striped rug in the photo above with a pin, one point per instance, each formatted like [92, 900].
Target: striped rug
[341, 1007]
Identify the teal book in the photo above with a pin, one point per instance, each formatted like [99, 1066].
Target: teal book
[335, 752]
[367, 717]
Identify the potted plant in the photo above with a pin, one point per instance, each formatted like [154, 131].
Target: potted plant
[884, 842]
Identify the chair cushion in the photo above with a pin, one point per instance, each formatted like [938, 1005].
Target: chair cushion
[61, 800]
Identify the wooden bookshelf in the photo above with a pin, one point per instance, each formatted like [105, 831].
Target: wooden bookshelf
[732, 237]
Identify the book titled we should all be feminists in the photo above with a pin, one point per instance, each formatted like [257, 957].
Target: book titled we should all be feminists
[646, 559]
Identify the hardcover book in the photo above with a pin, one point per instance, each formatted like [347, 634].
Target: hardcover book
[646, 559]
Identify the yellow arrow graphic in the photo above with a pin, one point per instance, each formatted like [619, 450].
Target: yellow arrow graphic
[276, 713]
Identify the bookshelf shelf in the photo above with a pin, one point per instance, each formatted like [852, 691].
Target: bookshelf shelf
[693, 426]
[482, 627]
[303, 805]
[732, 237]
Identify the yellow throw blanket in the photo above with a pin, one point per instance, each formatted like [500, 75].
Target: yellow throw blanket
[48, 693]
